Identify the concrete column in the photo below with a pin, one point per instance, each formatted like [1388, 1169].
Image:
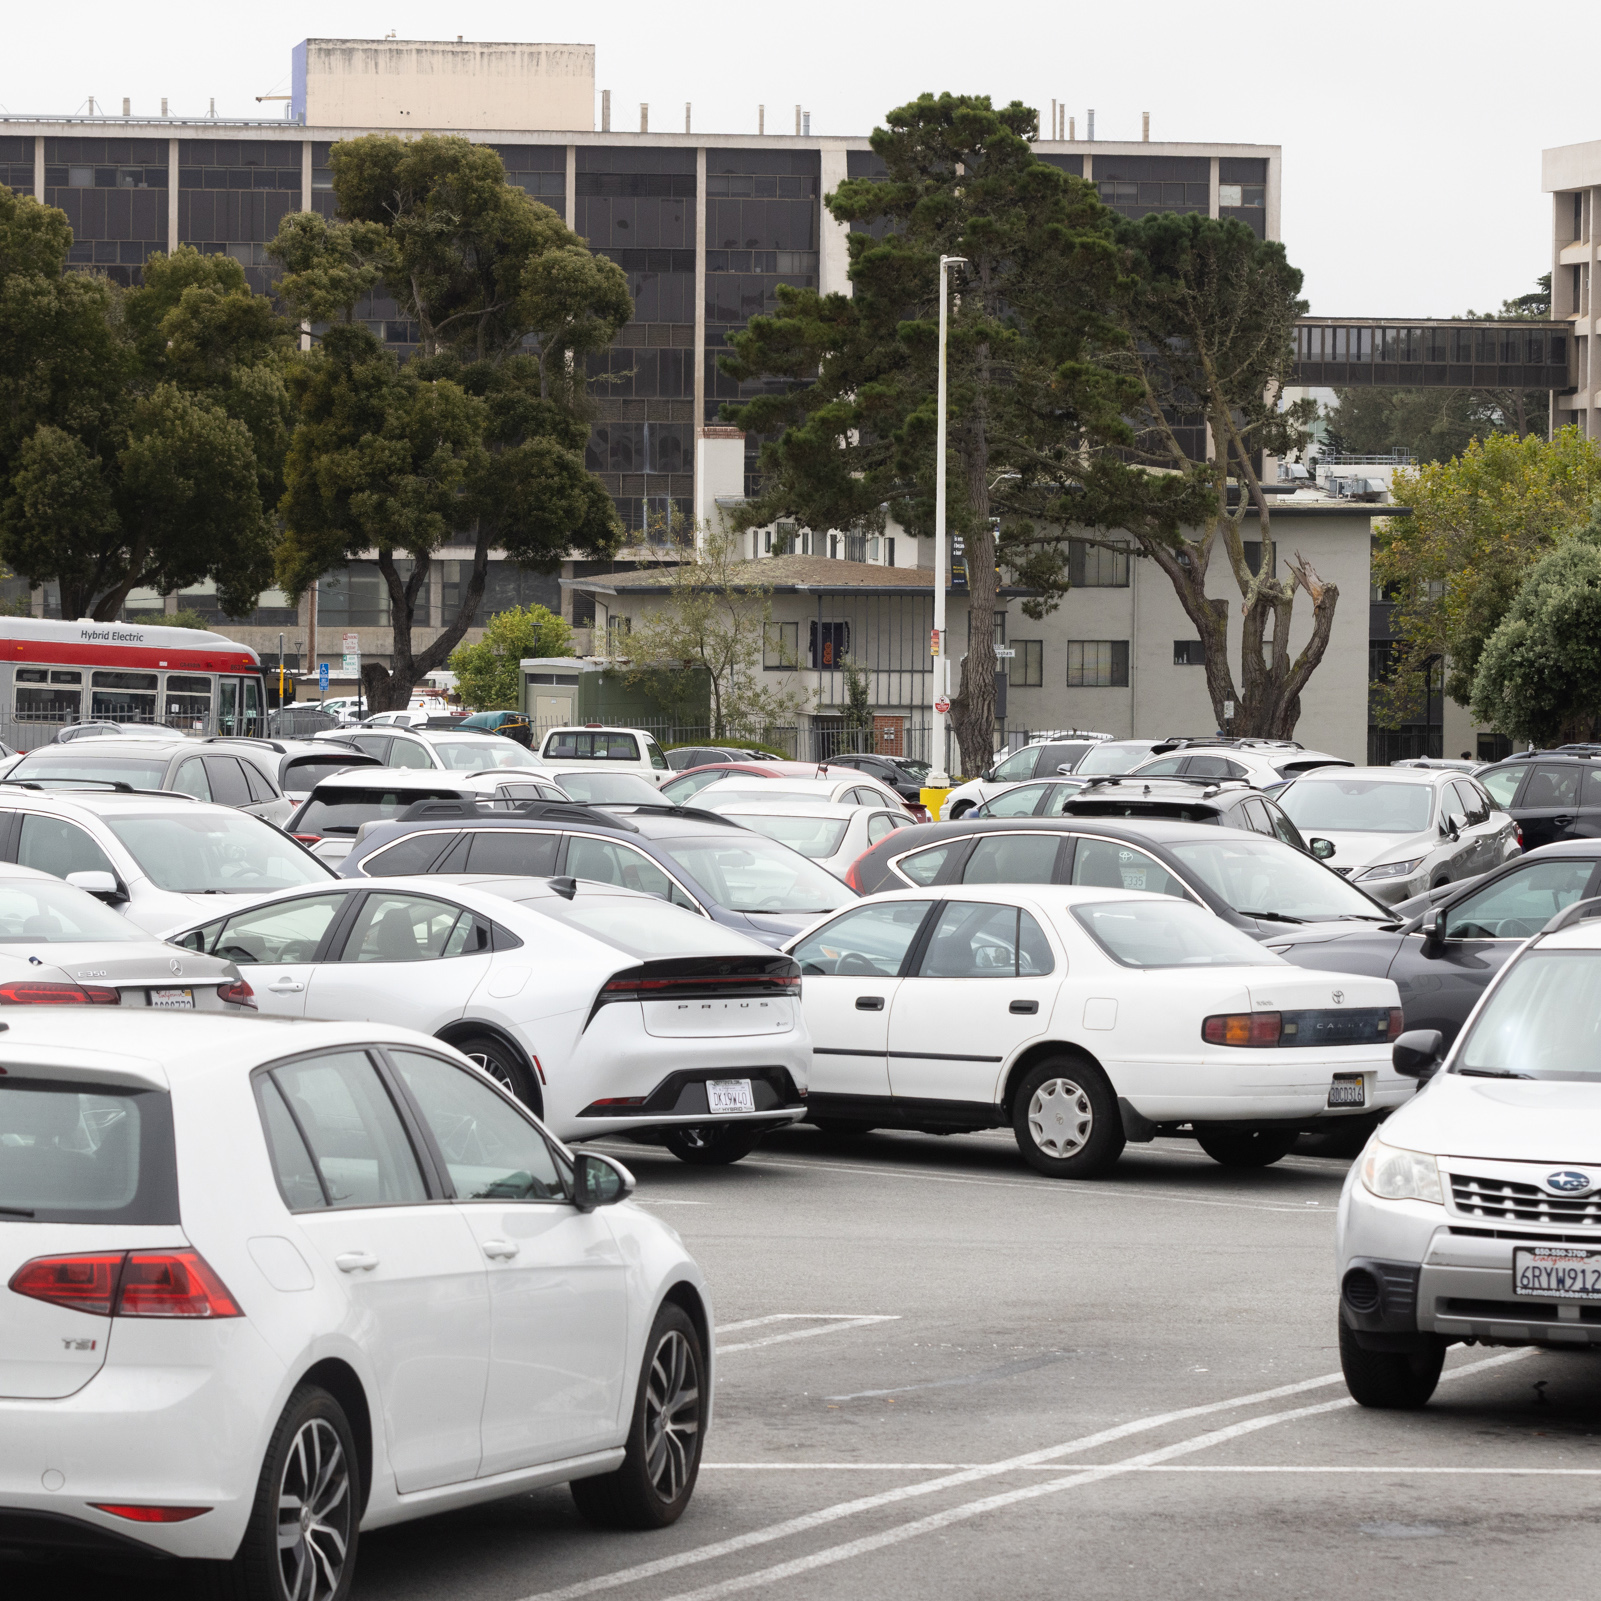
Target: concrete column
[699, 485]
[172, 196]
[571, 191]
[1089, 167]
[834, 262]
[1587, 379]
[38, 172]
[305, 175]
[1212, 195]
[1275, 189]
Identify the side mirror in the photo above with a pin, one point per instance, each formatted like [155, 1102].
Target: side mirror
[1432, 928]
[1418, 1053]
[1064, 771]
[1323, 849]
[1448, 828]
[987, 776]
[103, 886]
[599, 1181]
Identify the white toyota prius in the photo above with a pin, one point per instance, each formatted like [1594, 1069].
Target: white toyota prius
[268, 1285]
[1081, 1018]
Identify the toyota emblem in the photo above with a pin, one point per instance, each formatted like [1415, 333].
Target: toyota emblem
[1338, 997]
[177, 967]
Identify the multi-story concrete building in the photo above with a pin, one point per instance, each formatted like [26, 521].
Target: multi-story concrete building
[1571, 175]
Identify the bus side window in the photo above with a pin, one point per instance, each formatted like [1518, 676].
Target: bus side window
[252, 709]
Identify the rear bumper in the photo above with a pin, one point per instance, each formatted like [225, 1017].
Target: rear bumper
[1244, 1088]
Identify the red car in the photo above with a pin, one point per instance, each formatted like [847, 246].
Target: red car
[690, 782]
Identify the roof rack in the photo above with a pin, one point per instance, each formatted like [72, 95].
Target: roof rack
[1233, 742]
[116, 785]
[244, 739]
[535, 811]
[1210, 786]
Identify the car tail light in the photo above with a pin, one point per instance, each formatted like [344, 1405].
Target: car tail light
[646, 987]
[128, 1284]
[308, 839]
[84, 1283]
[172, 1284]
[1517, 828]
[852, 876]
[150, 1514]
[43, 993]
[1242, 1028]
[237, 993]
[1397, 1023]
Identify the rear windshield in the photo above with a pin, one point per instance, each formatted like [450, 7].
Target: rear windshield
[1169, 933]
[615, 789]
[343, 811]
[1114, 757]
[82, 761]
[604, 745]
[307, 772]
[74, 1155]
[817, 837]
[480, 754]
[643, 927]
[1358, 806]
[753, 874]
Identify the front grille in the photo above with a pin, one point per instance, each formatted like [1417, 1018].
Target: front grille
[1522, 1203]
[1511, 1311]
[1344, 872]
[1524, 1234]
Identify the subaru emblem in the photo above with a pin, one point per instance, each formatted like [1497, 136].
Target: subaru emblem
[1567, 1182]
[177, 967]
[1338, 997]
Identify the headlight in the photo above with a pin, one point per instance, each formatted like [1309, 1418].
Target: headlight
[1393, 869]
[1396, 1175]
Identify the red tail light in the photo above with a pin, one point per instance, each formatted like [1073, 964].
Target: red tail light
[308, 839]
[1397, 1023]
[41, 993]
[128, 1284]
[151, 1514]
[853, 875]
[237, 993]
[1242, 1028]
[1517, 828]
[632, 985]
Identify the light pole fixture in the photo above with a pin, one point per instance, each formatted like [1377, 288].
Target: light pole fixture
[939, 778]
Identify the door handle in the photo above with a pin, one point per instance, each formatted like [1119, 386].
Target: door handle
[869, 1003]
[1562, 822]
[501, 1250]
[355, 1261]
[1024, 1008]
[286, 986]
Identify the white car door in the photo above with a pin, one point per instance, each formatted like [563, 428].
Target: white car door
[275, 947]
[375, 973]
[985, 986]
[414, 1276]
[849, 979]
[558, 1291]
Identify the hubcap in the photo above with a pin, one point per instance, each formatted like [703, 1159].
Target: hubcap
[494, 1067]
[1060, 1117]
[672, 1415]
[314, 1514]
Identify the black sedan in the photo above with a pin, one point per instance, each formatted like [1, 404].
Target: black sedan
[1442, 958]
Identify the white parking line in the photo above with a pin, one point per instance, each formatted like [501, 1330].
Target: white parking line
[844, 1509]
[1188, 1467]
[833, 1323]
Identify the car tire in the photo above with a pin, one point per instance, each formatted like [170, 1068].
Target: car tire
[312, 1445]
[1066, 1120]
[960, 810]
[502, 1064]
[1261, 1146]
[712, 1147]
[662, 1455]
[1396, 1381]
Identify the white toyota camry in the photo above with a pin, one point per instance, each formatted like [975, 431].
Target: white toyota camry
[1083, 1018]
[605, 1009]
[268, 1287]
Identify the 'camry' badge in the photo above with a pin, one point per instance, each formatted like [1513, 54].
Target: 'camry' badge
[177, 967]
[1338, 997]
[1568, 1182]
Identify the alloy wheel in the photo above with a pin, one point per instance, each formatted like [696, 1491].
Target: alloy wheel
[1060, 1117]
[672, 1415]
[495, 1068]
[314, 1514]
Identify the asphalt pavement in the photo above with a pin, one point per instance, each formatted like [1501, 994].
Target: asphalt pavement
[944, 1376]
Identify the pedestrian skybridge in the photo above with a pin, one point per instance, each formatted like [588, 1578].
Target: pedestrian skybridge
[1439, 354]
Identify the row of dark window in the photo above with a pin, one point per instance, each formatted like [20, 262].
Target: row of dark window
[87, 177]
[641, 447]
[1484, 343]
[761, 224]
[638, 224]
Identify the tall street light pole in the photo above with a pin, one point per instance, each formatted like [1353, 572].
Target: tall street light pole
[939, 778]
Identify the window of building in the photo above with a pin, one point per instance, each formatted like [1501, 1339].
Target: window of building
[781, 645]
[1097, 663]
[829, 641]
[1189, 653]
[1028, 664]
[1095, 567]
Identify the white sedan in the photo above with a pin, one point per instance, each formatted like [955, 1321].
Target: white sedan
[270, 1287]
[1082, 1018]
[832, 836]
[607, 1010]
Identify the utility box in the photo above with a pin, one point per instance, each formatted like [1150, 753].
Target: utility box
[558, 690]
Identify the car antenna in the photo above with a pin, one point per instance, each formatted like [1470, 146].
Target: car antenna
[565, 887]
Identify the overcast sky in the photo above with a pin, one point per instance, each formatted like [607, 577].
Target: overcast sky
[1411, 130]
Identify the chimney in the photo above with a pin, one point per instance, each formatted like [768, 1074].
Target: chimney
[644, 116]
[806, 124]
[1072, 127]
[605, 110]
[797, 122]
[126, 106]
[761, 119]
[1145, 126]
[1089, 125]
[163, 105]
[1053, 116]
[686, 116]
[213, 111]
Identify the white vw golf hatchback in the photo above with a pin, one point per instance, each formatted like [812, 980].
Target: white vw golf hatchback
[268, 1285]
[1082, 1018]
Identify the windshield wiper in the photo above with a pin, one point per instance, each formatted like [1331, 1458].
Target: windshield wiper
[1491, 1072]
[16, 1211]
[1275, 917]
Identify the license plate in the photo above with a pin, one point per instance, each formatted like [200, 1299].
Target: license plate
[1568, 1272]
[173, 1000]
[1348, 1092]
[729, 1095]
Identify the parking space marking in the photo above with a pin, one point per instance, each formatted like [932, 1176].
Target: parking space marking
[1006, 1370]
[844, 1509]
[1184, 1467]
[994, 1503]
[833, 1323]
[1084, 1191]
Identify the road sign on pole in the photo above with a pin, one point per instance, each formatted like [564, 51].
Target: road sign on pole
[322, 677]
[942, 706]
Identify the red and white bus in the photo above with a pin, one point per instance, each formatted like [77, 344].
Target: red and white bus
[193, 682]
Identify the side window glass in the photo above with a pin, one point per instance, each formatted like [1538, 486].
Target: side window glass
[1283, 827]
[923, 868]
[400, 928]
[1019, 802]
[1452, 812]
[1164, 768]
[1503, 783]
[190, 779]
[869, 941]
[374, 745]
[617, 747]
[1552, 786]
[1520, 904]
[1012, 859]
[878, 825]
[513, 850]
[356, 1141]
[1212, 767]
[657, 759]
[414, 854]
[1056, 802]
[607, 863]
[1105, 864]
[261, 790]
[1256, 817]
[287, 932]
[1018, 765]
[297, 1173]
[408, 753]
[491, 1152]
[1592, 786]
[975, 939]
[561, 745]
[228, 786]
[58, 847]
[1476, 801]
[1034, 956]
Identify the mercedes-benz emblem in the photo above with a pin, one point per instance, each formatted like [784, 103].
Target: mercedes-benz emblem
[1338, 997]
[177, 967]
